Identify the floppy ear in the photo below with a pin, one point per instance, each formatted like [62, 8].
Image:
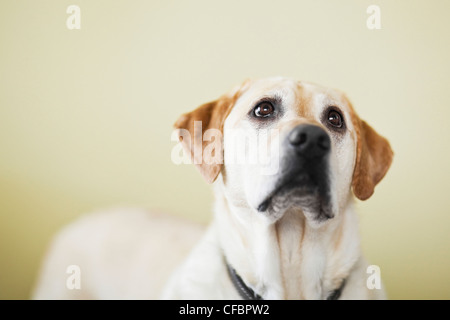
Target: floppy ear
[373, 159]
[192, 127]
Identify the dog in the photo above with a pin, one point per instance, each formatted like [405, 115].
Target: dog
[284, 224]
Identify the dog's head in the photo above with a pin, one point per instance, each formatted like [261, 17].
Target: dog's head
[280, 144]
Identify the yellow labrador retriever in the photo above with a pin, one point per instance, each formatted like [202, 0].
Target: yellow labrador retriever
[286, 158]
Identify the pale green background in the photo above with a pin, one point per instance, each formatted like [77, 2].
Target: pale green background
[86, 115]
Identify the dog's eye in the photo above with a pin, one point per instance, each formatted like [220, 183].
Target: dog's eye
[335, 119]
[264, 109]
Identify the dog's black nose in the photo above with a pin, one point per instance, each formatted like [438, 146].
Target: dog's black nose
[309, 140]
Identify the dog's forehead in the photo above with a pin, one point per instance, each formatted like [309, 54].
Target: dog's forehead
[282, 88]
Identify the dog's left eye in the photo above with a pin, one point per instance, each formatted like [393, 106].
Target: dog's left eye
[264, 109]
[335, 119]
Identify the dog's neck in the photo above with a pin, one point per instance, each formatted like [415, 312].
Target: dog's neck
[288, 259]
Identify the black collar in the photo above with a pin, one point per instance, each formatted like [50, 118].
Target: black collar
[247, 293]
[244, 291]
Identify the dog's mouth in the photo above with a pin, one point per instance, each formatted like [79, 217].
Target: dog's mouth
[303, 191]
[281, 188]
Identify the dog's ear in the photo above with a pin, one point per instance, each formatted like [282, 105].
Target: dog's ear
[373, 159]
[191, 131]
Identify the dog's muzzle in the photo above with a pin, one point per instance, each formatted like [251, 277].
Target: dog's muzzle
[304, 178]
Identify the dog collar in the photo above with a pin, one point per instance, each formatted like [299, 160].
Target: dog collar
[247, 293]
[244, 291]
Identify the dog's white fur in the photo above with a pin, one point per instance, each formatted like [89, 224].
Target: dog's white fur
[283, 254]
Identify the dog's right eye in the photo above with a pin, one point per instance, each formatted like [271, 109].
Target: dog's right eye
[264, 109]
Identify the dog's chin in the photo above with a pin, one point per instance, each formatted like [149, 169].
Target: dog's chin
[313, 202]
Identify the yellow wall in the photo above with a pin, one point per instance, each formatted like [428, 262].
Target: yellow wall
[86, 115]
